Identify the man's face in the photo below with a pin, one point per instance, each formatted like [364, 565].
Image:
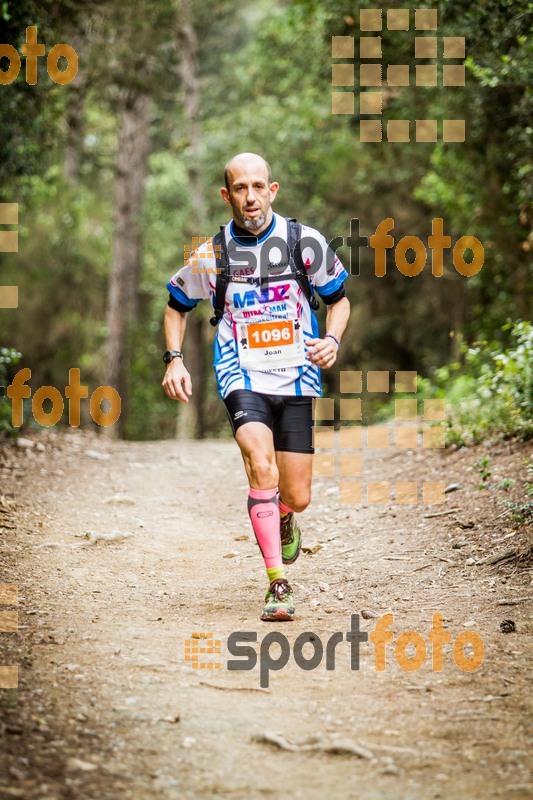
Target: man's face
[250, 195]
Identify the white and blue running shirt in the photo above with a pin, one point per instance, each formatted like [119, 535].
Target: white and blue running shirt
[249, 302]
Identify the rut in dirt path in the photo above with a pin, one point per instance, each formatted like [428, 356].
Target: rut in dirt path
[128, 550]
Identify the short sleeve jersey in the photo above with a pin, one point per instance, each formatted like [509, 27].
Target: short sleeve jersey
[249, 299]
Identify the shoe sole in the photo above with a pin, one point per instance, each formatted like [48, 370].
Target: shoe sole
[281, 615]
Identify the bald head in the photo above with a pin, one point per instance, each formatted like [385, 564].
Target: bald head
[250, 191]
[246, 161]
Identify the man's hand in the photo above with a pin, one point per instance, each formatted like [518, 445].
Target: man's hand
[177, 381]
[322, 352]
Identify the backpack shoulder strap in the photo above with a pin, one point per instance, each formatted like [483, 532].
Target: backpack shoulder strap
[294, 235]
[222, 275]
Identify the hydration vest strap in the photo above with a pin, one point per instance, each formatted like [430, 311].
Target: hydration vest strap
[294, 235]
[222, 275]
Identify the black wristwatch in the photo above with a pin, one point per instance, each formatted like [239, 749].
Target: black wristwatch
[170, 354]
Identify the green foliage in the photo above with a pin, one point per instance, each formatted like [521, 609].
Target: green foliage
[483, 467]
[495, 395]
[522, 512]
[8, 358]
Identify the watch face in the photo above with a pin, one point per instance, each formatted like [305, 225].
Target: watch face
[170, 355]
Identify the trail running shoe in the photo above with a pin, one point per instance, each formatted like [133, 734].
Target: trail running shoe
[279, 602]
[291, 538]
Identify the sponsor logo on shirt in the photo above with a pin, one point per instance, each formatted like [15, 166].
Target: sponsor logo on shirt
[273, 294]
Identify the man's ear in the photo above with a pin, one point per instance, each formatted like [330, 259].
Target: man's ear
[273, 188]
[225, 195]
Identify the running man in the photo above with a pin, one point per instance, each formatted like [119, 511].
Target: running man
[268, 356]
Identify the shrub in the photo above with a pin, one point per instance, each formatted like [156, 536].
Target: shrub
[8, 357]
[494, 395]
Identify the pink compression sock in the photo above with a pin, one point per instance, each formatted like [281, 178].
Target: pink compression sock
[283, 508]
[264, 514]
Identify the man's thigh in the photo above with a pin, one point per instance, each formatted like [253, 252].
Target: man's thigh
[293, 442]
[275, 433]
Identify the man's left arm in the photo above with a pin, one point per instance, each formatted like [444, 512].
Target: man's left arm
[323, 352]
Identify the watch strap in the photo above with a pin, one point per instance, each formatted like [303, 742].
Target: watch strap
[170, 355]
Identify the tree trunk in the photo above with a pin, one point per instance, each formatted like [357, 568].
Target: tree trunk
[131, 167]
[74, 118]
[191, 421]
[73, 150]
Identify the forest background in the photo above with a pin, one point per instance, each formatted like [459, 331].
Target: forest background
[116, 172]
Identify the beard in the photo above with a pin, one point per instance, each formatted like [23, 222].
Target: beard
[253, 224]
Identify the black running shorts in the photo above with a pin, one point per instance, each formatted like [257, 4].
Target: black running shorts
[289, 418]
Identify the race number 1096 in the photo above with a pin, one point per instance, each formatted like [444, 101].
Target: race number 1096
[266, 333]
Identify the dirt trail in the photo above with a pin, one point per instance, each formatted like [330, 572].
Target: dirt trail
[107, 706]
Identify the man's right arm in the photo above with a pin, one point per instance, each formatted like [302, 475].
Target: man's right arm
[177, 381]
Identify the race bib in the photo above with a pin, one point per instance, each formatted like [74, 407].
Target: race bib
[271, 345]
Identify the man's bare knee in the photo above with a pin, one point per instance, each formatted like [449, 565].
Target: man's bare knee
[263, 472]
[297, 501]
